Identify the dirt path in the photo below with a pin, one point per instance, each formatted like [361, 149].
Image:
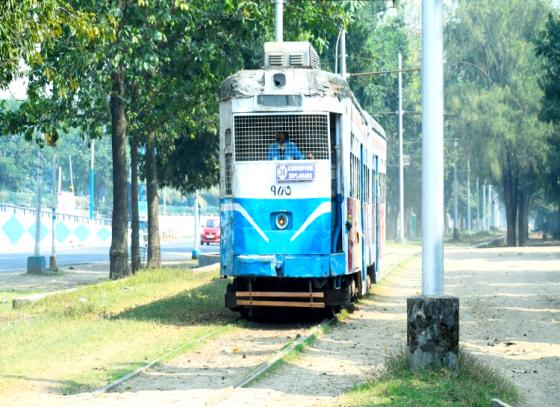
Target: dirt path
[510, 315]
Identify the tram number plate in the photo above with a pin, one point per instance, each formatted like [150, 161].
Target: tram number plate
[295, 172]
[281, 190]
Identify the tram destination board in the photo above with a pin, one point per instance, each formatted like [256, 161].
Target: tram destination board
[295, 172]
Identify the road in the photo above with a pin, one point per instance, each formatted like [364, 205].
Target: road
[173, 250]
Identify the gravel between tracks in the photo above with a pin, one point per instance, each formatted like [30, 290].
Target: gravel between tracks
[510, 316]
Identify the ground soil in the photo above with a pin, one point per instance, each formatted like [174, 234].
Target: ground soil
[510, 317]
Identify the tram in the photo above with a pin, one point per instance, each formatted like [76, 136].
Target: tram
[302, 185]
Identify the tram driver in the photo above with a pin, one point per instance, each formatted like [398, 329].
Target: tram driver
[284, 149]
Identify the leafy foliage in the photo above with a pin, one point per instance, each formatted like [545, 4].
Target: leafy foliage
[548, 49]
[492, 76]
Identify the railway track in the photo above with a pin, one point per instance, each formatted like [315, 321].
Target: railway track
[249, 375]
[243, 380]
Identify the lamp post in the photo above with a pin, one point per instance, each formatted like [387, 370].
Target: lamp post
[91, 181]
[401, 169]
[469, 197]
[196, 245]
[432, 318]
[52, 260]
[36, 263]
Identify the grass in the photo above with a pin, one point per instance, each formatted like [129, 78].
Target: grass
[473, 384]
[82, 339]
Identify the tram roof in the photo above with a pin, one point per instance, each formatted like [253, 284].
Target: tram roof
[248, 83]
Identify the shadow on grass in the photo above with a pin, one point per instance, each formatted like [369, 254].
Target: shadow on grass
[204, 304]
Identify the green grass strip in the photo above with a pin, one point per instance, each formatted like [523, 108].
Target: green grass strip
[472, 384]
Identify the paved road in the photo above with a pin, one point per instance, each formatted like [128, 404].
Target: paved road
[174, 250]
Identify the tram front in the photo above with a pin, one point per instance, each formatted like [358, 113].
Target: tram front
[276, 186]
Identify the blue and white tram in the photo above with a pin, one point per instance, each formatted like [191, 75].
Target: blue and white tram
[302, 185]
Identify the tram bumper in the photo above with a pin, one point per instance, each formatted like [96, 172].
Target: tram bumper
[288, 266]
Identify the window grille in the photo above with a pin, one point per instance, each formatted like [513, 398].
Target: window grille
[254, 135]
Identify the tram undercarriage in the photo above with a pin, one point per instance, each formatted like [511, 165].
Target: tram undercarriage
[246, 293]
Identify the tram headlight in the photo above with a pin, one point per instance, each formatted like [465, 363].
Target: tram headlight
[282, 221]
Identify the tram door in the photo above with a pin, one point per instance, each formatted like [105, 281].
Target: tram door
[354, 211]
[336, 182]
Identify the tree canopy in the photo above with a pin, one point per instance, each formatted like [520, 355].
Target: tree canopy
[494, 94]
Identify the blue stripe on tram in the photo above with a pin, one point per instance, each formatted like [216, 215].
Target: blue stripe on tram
[259, 249]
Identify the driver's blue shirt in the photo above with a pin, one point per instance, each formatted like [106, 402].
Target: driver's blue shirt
[291, 152]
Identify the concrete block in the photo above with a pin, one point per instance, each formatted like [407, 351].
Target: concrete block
[433, 331]
[36, 265]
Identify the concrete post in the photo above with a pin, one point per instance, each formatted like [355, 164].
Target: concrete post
[432, 318]
[401, 168]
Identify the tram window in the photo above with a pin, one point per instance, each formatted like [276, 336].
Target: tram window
[381, 189]
[256, 134]
[228, 175]
[351, 175]
[280, 100]
[227, 137]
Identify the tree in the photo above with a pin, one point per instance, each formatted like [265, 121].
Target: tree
[548, 50]
[374, 41]
[493, 92]
[175, 53]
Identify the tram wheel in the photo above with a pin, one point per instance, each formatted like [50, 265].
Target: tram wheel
[368, 283]
[332, 310]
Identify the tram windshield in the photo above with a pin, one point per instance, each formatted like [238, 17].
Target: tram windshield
[281, 137]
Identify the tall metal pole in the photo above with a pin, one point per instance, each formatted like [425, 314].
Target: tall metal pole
[71, 176]
[484, 222]
[478, 226]
[196, 250]
[343, 54]
[489, 207]
[432, 318]
[279, 27]
[469, 226]
[37, 249]
[432, 148]
[91, 181]
[455, 201]
[52, 260]
[164, 201]
[401, 164]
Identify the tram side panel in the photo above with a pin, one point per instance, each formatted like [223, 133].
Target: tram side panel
[226, 189]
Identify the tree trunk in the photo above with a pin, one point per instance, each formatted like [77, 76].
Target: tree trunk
[523, 217]
[154, 259]
[119, 243]
[510, 201]
[136, 260]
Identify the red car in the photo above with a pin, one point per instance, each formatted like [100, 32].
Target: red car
[210, 232]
